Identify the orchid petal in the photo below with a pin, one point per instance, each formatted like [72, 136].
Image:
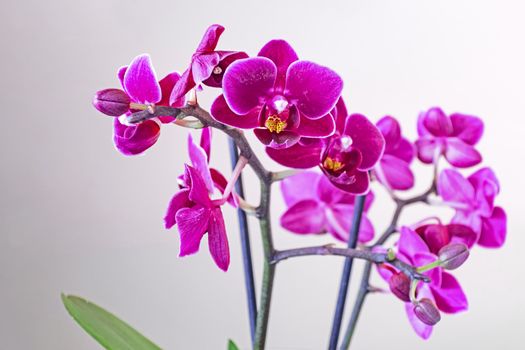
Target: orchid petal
[297, 156]
[248, 82]
[210, 39]
[462, 234]
[367, 138]
[202, 66]
[426, 149]
[391, 131]
[404, 151]
[469, 219]
[461, 154]
[225, 59]
[218, 240]
[423, 330]
[181, 88]
[192, 224]
[220, 183]
[205, 141]
[135, 139]
[282, 54]
[322, 127]
[340, 113]
[313, 88]
[198, 190]
[410, 243]
[453, 187]
[340, 223]
[466, 127]
[481, 176]
[221, 111]
[304, 217]
[300, 187]
[356, 183]
[284, 139]
[166, 86]
[179, 201]
[450, 298]
[396, 172]
[199, 161]
[140, 81]
[437, 122]
[494, 229]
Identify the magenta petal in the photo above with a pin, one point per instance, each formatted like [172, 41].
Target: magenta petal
[203, 65]
[300, 187]
[322, 127]
[282, 140]
[166, 85]
[221, 112]
[218, 240]
[314, 89]
[181, 88]
[220, 183]
[133, 140]
[198, 190]
[461, 154]
[340, 222]
[421, 329]
[462, 234]
[410, 243]
[481, 176]
[282, 54]
[396, 172]
[340, 113]
[437, 122]
[327, 192]
[248, 82]
[179, 201]
[450, 297]
[304, 217]
[205, 141]
[367, 138]
[199, 160]
[391, 131]
[120, 74]
[225, 59]
[453, 187]
[140, 81]
[494, 229]
[468, 128]
[470, 219]
[404, 151]
[356, 183]
[210, 39]
[426, 149]
[192, 224]
[297, 156]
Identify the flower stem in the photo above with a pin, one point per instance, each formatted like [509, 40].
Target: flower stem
[245, 246]
[347, 269]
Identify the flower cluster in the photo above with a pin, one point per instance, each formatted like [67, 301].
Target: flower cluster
[296, 110]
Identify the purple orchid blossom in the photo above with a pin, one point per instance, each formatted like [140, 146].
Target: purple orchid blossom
[393, 170]
[207, 65]
[140, 84]
[473, 198]
[315, 206]
[444, 291]
[345, 157]
[278, 95]
[192, 208]
[453, 136]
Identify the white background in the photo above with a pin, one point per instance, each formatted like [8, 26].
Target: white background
[78, 217]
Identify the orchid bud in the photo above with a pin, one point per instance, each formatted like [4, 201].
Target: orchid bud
[112, 102]
[453, 255]
[427, 312]
[400, 285]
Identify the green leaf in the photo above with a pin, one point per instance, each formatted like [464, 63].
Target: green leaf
[231, 345]
[111, 332]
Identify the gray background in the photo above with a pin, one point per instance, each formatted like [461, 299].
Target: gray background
[76, 216]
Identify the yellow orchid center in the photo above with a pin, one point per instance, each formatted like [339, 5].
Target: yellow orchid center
[275, 124]
[332, 164]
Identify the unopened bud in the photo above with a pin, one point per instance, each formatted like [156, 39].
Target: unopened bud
[112, 102]
[453, 255]
[400, 285]
[427, 312]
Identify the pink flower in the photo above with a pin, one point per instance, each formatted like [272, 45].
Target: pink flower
[207, 65]
[315, 206]
[444, 291]
[454, 137]
[140, 84]
[393, 170]
[345, 157]
[280, 96]
[473, 198]
[193, 210]
[437, 236]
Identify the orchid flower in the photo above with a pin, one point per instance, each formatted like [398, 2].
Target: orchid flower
[453, 136]
[278, 95]
[393, 170]
[207, 65]
[345, 157]
[315, 206]
[436, 236]
[193, 209]
[473, 199]
[443, 290]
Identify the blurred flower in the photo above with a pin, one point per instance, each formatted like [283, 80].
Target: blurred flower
[437, 236]
[454, 137]
[473, 200]
[280, 96]
[207, 65]
[315, 206]
[393, 170]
